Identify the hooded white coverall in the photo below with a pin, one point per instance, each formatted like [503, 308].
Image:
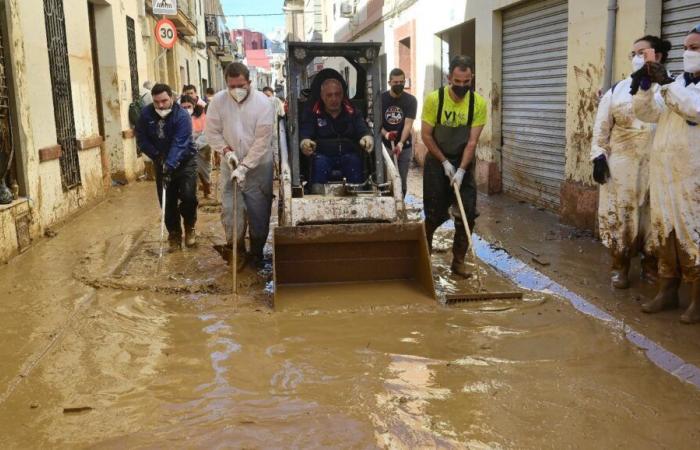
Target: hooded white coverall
[623, 206]
[674, 175]
[247, 128]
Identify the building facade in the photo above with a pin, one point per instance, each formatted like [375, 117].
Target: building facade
[540, 65]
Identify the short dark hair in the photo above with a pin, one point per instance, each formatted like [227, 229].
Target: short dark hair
[189, 87]
[159, 88]
[210, 91]
[235, 70]
[268, 89]
[188, 99]
[659, 45]
[396, 73]
[461, 62]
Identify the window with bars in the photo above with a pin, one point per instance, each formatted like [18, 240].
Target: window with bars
[6, 144]
[61, 92]
[133, 65]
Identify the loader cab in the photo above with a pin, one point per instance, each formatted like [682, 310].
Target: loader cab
[356, 65]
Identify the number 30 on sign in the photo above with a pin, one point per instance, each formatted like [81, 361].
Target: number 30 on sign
[166, 34]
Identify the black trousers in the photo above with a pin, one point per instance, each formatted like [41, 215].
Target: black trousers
[438, 197]
[181, 195]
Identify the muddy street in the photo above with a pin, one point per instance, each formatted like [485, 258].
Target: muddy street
[104, 349]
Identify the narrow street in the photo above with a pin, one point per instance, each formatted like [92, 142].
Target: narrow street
[102, 351]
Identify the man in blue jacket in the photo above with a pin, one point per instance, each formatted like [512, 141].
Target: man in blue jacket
[331, 132]
[164, 134]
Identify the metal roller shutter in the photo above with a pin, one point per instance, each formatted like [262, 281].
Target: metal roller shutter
[534, 100]
[678, 17]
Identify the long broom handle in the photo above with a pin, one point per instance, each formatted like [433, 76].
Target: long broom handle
[469, 233]
[234, 249]
[162, 229]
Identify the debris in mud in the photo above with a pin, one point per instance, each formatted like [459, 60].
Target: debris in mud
[540, 261]
[34, 405]
[49, 233]
[77, 409]
[533, 253]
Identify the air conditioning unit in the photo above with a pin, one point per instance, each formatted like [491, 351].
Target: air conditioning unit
[347, 9]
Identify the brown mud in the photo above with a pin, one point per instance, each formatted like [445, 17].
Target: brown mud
[100, 351]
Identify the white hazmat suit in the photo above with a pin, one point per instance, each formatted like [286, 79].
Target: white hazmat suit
[623, 208]
[674, 174]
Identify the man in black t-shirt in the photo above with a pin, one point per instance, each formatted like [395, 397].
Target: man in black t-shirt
[398, 114]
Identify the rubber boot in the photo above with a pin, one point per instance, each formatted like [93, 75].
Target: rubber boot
[650, 269]
[666, 298]
[460, 246]
[226, 252]
[190, 236]
[619, 275]
[174, 241]
[692, 313]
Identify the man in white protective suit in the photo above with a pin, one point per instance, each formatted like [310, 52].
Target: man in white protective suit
[240, 128]
[620, 154]
[674, 175]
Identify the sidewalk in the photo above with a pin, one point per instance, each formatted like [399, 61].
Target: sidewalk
[581, 263]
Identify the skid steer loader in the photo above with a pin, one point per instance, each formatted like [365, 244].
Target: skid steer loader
[340, 240]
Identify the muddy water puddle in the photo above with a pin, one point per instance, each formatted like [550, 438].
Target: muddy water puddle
[204, 371]
[176, 362]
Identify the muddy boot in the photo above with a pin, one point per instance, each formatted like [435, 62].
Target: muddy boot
[206, 189]
[620, 271]
[174, 241]
[190, 237]
[666, 298]
[649, 269]
[692, 313]
[226, 252]
[460, 246]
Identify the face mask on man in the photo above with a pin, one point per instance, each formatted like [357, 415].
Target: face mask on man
[163, 112]
[691, 61]
[637, 62]
[238, 94]
[461, 91]
[397, 88]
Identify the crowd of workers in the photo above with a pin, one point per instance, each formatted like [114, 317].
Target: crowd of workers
[645, 154]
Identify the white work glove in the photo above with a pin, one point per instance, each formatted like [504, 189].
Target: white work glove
[458, 177]
[238, 175]
[398, 148]
[449, 169]
[367, 143]
[231, 160]
[308, 147]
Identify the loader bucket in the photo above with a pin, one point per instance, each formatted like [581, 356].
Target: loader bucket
[351, 264]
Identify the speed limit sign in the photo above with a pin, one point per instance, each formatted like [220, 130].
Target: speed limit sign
[166, 33]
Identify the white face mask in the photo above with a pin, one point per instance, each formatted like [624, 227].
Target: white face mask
[163, 112]
[238, 94]
[637, 62]
[189, 110]
[691, 61]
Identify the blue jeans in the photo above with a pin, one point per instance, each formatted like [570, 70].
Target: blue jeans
[349, 163]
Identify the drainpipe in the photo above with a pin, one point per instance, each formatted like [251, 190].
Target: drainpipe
[610, 44]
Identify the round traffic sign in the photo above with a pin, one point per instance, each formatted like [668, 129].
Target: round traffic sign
[166, 33]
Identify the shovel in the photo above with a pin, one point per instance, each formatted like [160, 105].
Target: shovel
[465, 297]
[234, 250]
[162, 230]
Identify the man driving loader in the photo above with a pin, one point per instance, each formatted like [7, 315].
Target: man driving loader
[330, 131]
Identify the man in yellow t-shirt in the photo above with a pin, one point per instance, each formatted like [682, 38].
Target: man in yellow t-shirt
[452, 120]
